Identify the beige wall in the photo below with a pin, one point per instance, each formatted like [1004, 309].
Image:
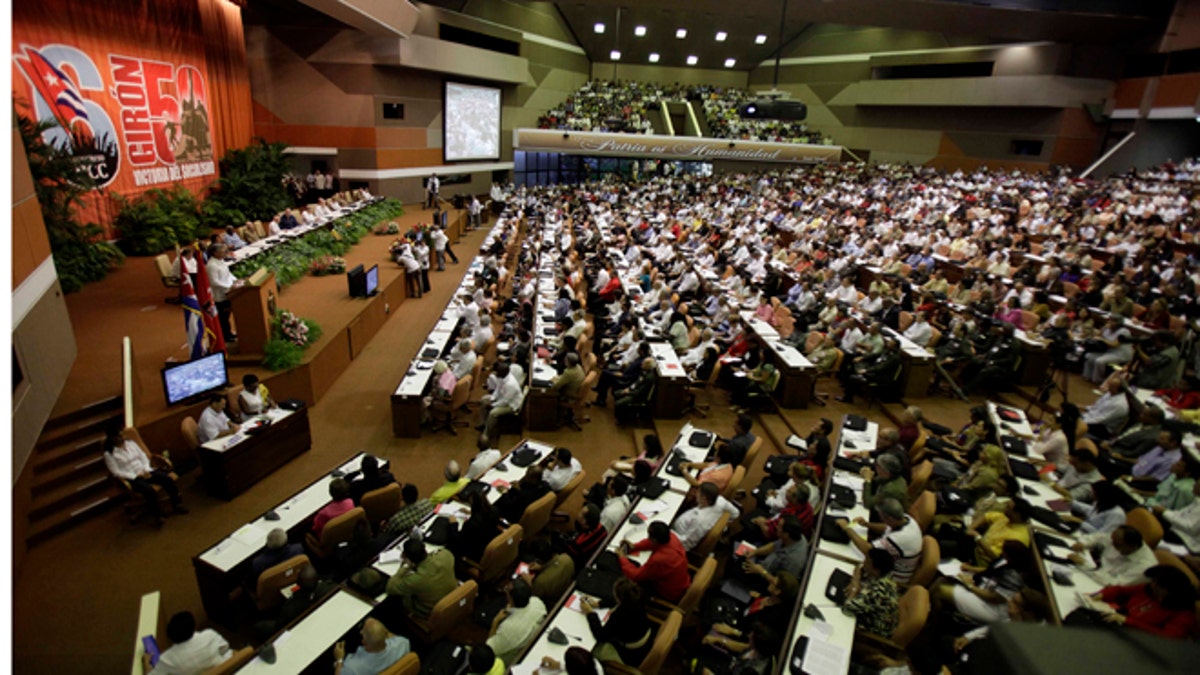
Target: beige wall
[42, 337]
[670, 75]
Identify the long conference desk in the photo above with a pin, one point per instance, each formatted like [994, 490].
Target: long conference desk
[566, 614]
[261, 246]
[234, 463]
[407, 399]
[221, 568]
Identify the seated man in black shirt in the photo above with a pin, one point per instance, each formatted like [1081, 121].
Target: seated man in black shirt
[512, 504]
[878, 371]
[372, 478]
[278, 550]
[588, 535]
[742, 439]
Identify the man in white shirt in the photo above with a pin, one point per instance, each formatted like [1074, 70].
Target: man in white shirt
[616, 505]
[126, 460]
[507, 399]
[432, 186]
[900, 536]
[561, 468]
[462, 359]
[692, 525]
[191, 653]
[473, 211]
[1122, 555]
[213, 421]
[1109, 412]
[920, 331]
[516, 625]
[222, 281]
[845, 292]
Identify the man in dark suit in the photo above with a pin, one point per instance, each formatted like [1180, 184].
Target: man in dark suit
[878, 370]
[372, 478]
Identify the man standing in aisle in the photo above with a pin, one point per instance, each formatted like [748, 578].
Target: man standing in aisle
[222, 281]
[474, 210]
[432, 185]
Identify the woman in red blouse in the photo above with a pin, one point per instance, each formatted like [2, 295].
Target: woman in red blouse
[1166, 606]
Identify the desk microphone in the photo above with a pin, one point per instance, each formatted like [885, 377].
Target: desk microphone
[337, 473]
[271, 515]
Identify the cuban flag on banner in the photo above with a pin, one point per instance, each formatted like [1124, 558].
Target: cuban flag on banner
[200, 314]
[56, 88]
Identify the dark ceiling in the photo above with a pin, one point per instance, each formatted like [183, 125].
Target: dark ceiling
[1113, 22]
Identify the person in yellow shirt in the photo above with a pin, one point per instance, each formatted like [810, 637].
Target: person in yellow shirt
[455, 482]
[997, 528]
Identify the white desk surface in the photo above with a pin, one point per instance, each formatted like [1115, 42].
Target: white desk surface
[669, 503]
[1045, 494]
[668, 361]
[907, 346]
[514, 473]
[262, 245]
[789, 355]
[689, 453]
[761, 328]
[847, 550]
[227, 442]
[1066, 598]
[250, 538]
[299, 647]
[1019, 428]
[147, 625]
[864, 440]
[842, 624]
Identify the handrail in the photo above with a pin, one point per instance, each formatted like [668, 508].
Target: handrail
[127, 378]
[1104, 158]
[695, 122]
[666, 113]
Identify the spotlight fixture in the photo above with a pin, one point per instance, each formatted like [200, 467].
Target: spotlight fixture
[681, 33]
[760, 39]
[721, 35]
[729, 63]
[639, 31]
[599, 27]
[693, 60]
[615, 55]
[653, 57]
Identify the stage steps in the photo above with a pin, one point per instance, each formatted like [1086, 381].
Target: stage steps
[70, 480]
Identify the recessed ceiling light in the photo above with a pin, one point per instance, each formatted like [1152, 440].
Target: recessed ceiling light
[693, 60]
[615, 55]
[729, 63]
[721, 35]
[599, 27]
[639, 30]
[653, 57]
[760, 39]
[681, 33]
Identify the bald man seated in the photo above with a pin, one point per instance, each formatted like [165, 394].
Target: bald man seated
[379, 650]
[455, 482]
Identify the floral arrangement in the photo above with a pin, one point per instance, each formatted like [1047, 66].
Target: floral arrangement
[328, 264]
[384, 229]
[290, 336]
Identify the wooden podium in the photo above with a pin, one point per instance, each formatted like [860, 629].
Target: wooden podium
[253, 308]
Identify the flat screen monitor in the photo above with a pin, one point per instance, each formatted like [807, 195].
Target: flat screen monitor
[372, 281]
[472, 122]
[183, 381]
[356, 280]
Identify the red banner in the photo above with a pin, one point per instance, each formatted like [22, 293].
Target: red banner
[127, 82]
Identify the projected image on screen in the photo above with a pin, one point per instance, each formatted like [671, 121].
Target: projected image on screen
[472, 122]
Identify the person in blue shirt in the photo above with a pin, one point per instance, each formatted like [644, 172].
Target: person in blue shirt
[379, 650]
[232, 240]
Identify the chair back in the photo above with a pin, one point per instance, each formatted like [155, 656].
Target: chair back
[409, 664]
[920, 478]
[461, 394]
[735, 482]
[812, 341]
[1143, 521]
[918, 450]
[667, 634]
[1166, 557]
[570, 488]
[589, 362]
[235, 661]
[1070, 290]
[914, 610]
[340, 529]
[381, 504]
[906, 319]
[923, 509]
[163, 263]
[537, 515]
[500, 554]
[475, 371]
[927, 567]
[191, 433]
[450, 612]
[752, 453]
[693, 336]
[690, 602]
[935, 336]
[286, 573]
[1029, 320]
[705, 547]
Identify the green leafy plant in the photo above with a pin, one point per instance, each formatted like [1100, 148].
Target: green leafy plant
[252, 182]
[80, 253]
[158, 220]
[290, 336]
[291, 260]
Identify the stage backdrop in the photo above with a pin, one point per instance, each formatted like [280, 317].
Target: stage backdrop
[148, 93]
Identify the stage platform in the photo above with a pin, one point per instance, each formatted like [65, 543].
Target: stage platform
[132, 302]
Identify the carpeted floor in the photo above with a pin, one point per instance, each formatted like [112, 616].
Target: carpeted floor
[76, 603]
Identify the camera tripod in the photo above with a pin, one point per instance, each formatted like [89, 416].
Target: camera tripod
[1057, 378]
